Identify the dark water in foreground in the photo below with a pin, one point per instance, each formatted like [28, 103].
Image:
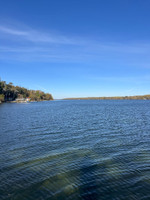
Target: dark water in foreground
[87, 149]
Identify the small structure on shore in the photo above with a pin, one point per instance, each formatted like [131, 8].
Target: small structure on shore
[27, 100]
[22, 100]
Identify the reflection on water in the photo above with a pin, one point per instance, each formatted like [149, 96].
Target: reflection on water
[88, 149]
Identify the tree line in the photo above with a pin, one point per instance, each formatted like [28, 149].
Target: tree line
[9, 92]
[139, 97]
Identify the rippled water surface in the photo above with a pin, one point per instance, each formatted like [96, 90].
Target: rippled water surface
[79, 149]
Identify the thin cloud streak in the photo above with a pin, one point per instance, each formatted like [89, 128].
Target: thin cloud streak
[49, 47]
[12, 31]
[37, 36]
[125, 79]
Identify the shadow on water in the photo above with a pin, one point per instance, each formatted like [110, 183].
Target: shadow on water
[109, 181]
[88, 179]
[112, 179]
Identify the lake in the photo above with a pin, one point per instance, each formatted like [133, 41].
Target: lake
[77, 149]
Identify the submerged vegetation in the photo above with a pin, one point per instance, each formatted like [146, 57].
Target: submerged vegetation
[9, 92]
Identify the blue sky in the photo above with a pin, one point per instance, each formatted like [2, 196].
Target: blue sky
[76, 48]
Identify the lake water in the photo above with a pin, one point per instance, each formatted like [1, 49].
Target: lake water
[77, 149]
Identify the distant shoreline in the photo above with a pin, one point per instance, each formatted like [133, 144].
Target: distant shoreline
[138, 97]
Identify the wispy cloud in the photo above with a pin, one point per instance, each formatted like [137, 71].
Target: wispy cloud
[36, 36]
[129, 79]
[28, 44]
[12, 31]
